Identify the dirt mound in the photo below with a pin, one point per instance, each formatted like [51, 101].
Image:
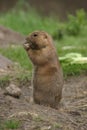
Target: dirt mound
[72, 114]
[5, 64]
[9, 37]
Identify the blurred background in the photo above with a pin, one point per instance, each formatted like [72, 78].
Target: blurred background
[65, 20]
[60, 8]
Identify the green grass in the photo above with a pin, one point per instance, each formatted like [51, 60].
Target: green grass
[11, 124]
[26, 22]
[17, 54]
[57, 125]
[4, 80]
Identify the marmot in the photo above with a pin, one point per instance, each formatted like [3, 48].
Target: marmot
[47, 75]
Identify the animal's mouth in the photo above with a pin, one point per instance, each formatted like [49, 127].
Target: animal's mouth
[31, 45]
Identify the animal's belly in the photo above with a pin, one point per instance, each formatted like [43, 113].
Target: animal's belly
[47, 84]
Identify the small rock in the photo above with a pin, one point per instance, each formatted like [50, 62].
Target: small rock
[13, 90]
[46, 128]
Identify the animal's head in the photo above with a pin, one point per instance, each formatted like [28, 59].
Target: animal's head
[37, 40]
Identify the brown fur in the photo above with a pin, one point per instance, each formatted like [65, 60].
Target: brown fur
[47, 76]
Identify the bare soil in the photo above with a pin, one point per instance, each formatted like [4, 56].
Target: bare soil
[5, 63]
[10, 37]
[71, 115]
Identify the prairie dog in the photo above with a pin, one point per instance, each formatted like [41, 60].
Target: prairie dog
[47, 75]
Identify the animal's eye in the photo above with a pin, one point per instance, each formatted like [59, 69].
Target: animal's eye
[35, 35]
